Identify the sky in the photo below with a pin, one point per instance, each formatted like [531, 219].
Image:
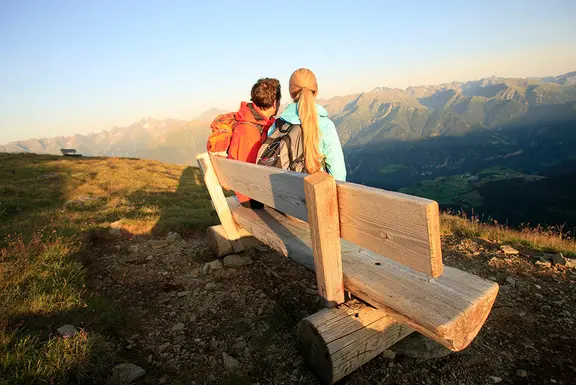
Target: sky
[71, 67]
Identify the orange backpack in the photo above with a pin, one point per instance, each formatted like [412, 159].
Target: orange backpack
[222, 129]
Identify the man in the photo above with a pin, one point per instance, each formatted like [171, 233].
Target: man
[253, 121]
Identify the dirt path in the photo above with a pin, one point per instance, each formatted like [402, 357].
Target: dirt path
[183, 324]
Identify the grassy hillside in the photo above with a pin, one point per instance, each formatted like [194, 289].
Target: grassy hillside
[50, 207]
[53, 208]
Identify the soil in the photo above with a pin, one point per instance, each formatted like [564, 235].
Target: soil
[238, 325]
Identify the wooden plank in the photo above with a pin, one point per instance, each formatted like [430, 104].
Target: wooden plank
[322, 201]
[335, 342]
[281, 189]
[219, 201]
[450, 309]
[401, 227]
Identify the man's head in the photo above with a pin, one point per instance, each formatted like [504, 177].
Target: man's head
[266, 95]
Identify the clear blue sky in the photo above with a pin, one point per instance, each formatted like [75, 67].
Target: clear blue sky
[82, 66]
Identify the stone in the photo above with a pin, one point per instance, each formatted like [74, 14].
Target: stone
[125, 373]
[571, 263]
[235, 260]
[521, 373]
[114, 231]
[178, 326]
[230, 362]
[495, 379]
[149, 258]
[210, 285]
[388, 354]
[214, 265]
[80, 201]
[511, 281]
[543, 263]
[164, 346]
[158, 243]
[173, 237]
[183, 294]
[67, 331]
[509, 250]
[558, 259]
[418, 346]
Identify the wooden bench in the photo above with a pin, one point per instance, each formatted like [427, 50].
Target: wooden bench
[69, 152]
[382, 247]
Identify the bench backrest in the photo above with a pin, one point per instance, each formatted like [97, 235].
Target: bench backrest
[400, 227]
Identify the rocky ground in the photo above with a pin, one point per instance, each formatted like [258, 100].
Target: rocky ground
[189, 322]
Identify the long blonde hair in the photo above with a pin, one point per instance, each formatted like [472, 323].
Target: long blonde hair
[303, 90]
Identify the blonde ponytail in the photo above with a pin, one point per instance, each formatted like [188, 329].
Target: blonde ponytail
[303, 90]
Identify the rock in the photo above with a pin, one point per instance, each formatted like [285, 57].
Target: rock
[113, 231]
[571, 263]
[149, 258]
[178, 326]
[163, 346]
[214, 265]
[67, 331]
[210, 285]
[389, 355]
[509, 250]
[183, 294]
[230, 363]
[173, 237]
[80, 202]
[558, 259]
[521, 373]
[418, 346]
[158, 243]
[495, 379]
[543, 263]
[511, 281]
[235, 260]
[125, 373]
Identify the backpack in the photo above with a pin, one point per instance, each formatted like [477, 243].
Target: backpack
[284, 148]
[222, 129]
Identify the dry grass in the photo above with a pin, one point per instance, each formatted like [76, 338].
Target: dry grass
[47, 206]
[551, 239]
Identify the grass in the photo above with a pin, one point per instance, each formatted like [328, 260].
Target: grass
[47, 206]
[544, 239]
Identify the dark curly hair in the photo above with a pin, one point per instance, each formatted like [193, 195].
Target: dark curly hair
[265, 92]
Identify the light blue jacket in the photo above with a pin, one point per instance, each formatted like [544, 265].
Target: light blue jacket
[329, 142]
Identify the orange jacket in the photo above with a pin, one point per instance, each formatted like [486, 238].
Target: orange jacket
[249, 134]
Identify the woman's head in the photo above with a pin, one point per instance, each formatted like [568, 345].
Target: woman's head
[303, 90]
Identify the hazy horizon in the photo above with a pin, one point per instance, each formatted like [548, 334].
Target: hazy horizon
[80, 68]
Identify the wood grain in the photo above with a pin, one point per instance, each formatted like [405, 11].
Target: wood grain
[401, 227]
[337, 341]
[219, 201]
[281, 189]
[450, 309]
[322, 201]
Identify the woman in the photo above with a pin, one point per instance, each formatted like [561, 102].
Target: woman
[322, 148]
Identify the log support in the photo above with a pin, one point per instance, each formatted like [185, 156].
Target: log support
[335, 342]
[221, 246]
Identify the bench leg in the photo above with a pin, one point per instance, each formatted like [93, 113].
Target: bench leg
[221, 246]
[335, 342]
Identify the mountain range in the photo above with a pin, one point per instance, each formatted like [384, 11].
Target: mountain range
[454, 142]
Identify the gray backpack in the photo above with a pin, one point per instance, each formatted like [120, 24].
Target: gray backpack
[284, 148]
